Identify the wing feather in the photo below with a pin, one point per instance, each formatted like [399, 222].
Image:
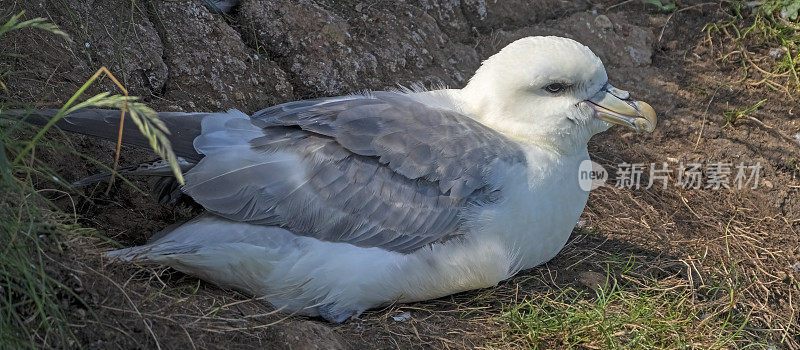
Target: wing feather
[380, 170]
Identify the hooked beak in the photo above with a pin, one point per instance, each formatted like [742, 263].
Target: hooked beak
[615, 106]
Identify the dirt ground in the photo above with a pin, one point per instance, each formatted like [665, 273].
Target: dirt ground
[178, 56]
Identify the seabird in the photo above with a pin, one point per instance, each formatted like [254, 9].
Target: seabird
[331, 206]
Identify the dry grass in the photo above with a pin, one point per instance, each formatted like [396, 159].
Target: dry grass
[637, 302]
[764, 45]
[736, 286]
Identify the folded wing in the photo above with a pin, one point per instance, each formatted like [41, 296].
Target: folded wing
[380, 170]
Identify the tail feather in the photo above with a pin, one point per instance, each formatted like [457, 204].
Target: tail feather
[155, 168]
[104, 124]
[152, 252]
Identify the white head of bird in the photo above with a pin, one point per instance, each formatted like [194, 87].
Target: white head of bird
[551, 91]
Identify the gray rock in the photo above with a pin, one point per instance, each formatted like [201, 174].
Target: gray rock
[210, 65]
[127, 43]
[490, 15]
[621, 45]
[328, 55]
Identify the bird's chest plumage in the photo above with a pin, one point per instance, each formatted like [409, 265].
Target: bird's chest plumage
[540, 206]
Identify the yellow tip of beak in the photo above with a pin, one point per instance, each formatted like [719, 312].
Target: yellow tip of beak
[649, 119]
[636, 115]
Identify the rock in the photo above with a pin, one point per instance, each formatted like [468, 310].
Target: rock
[119, 38]
[210, 65]
[449, 17]
[127, 43]
[385, 44]
[603, 22]
[622, 45]
[777, 52]
[592, 279]
[490, 15]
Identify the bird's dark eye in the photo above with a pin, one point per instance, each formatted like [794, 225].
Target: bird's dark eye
[555, 88]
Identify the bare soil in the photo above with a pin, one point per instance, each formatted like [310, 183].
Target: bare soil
[178, 56]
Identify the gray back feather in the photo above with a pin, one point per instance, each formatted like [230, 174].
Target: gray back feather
[413, 139]
[374, 171]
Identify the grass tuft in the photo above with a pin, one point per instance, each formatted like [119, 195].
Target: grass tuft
[733, 115]
[31, 311]
[763, 39]
[35, 303]
[624, 311]
[40, 23]
[31, 314]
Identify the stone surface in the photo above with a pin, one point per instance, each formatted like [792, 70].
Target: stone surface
[123, 39]
[378, 47]
[490, 15]
[104, 33]
[616, 42]
[210, 65]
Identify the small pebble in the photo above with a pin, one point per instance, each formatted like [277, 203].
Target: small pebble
[603, 22]
[403, 317]
[592, 279]
[777, 52]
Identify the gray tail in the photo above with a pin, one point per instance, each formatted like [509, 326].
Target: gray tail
[151, 252]
[103, 123]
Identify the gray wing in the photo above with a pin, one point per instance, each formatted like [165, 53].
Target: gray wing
[375, 171]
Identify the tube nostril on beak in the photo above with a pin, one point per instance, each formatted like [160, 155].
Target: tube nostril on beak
[619, 93]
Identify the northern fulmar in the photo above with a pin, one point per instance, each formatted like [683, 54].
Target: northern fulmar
[331, 206]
